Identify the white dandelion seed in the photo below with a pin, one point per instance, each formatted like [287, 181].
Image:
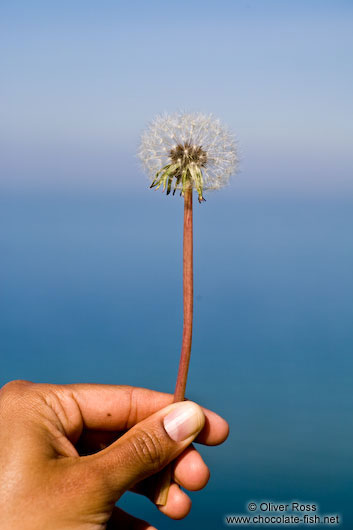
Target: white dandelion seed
[184, 150]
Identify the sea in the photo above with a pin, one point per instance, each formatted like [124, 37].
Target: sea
[91, 291]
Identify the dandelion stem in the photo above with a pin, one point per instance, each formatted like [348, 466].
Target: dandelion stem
[188, 296]
[164, 478]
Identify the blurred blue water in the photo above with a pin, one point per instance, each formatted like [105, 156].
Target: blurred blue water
[91, 291]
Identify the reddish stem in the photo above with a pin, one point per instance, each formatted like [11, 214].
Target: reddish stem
[163, 481]
[188, 295]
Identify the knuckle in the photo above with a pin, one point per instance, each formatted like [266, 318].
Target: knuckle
[17, 386]
[148, 449]
[16, 395]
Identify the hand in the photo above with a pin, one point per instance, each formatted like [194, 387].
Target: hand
[69, 452]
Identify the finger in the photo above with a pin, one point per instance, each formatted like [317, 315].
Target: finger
[215, 431]
[190, 471]
[122, 520]
[100, 407]
[117, 408]
[178, 503]
[148, 446]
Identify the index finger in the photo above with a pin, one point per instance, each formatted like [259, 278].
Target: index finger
[119, 407]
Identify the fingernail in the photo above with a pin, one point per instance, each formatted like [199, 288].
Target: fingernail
[183, 421]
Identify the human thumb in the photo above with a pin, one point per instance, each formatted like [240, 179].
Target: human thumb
[149, 446]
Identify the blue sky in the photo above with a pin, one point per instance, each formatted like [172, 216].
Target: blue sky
[81, 79]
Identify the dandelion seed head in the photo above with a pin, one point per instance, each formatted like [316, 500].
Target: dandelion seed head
[188, 148]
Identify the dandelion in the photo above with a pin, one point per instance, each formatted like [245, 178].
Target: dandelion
[182, 150]
[185, 152]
